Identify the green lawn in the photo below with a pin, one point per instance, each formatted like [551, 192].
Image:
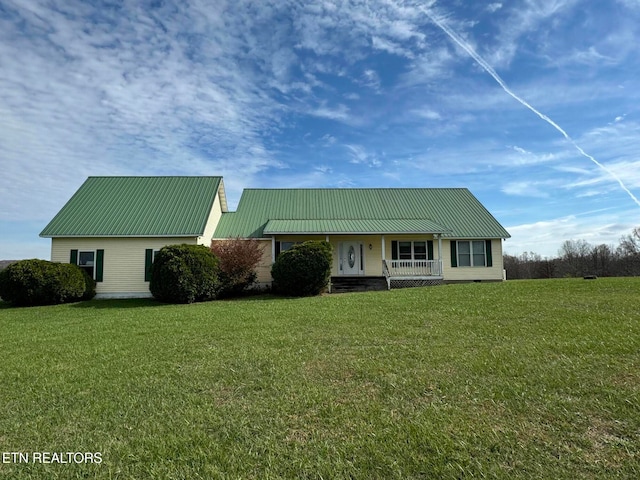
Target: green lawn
[523, 379]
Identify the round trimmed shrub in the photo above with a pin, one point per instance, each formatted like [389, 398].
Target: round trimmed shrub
[184, 274]
[303, 270]
[40, 282]
[89, 286]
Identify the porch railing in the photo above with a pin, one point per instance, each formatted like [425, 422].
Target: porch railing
[413, 268]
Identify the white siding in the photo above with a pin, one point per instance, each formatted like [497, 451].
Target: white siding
[124, 258]
[263, 270]
[212, 221]
[494, 272]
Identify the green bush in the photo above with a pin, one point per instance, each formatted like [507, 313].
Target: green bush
[40, 282]
[184, 274]
[89, 286]
[303, 270]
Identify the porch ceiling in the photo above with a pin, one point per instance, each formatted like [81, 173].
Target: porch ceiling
[353, 226]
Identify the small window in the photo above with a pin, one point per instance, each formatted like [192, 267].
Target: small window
[284, 246]
[478, 254]
[86, 261]
[404, 250]
[420, 250]
[408, 250]
[472, 253]
[149, 258]
[464, 254]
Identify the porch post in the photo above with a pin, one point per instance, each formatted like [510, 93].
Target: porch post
[440, 253]
[384, 254]
[273, 249]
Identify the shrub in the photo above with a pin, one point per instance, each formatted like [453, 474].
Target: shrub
[184, 274]
[303, 270]
[89, 286]
[40, 282]
[238, 259]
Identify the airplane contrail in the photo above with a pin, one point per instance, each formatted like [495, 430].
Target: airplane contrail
[467, 48]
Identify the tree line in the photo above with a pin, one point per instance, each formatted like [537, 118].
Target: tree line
[579, 258]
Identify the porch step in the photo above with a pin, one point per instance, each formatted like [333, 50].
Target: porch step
[357, 284]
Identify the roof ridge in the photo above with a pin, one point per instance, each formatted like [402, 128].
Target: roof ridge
[154, 176]
[353, 188]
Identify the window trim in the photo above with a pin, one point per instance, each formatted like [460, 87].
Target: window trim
[98, 261]
[94, 267]
[279, 243]
[395, 253]
[486, 253]
[149, 258]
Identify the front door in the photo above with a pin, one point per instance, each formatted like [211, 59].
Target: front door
[351, 258]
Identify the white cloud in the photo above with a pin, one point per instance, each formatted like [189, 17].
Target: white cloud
[545, 237]
[339, 113]
[122, 93]
[360, 155]
[526, 189]
[426, 113]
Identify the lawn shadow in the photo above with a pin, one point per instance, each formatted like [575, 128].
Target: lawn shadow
[118, 303]
[5, 305]
[152, 302]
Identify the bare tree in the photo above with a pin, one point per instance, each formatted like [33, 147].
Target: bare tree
[575, 257]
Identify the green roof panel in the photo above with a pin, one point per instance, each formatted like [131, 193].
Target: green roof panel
[346, 226]
[454, 212]
[137, 206]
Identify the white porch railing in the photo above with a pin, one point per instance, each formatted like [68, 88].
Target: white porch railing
[412, 268]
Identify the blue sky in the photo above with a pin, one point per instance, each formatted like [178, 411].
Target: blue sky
[328, 94]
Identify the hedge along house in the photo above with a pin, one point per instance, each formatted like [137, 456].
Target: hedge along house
[380, 237]
[112, 226]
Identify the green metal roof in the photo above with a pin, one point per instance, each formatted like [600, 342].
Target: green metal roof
[455, 212]
[137, 206]
[353, 226]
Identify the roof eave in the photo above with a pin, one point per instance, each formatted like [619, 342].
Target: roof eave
[181, 235]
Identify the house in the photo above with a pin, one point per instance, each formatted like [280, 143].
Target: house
[112, 226]
[381, 237]
[416, 236]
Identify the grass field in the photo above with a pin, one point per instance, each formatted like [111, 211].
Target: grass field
[522, 379]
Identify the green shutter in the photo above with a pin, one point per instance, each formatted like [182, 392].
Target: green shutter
[454, 253]
[148, 262]
[394, 250]
[489, 257]
[99, 264]
[429, 249]
[73, 258]
[278, 249]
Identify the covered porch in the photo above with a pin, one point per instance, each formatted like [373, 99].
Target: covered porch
[399, 254]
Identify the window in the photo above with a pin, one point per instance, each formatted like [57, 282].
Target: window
[90, 261]
[283, 247]
[420, 250]
[86, 261]
[471, 253]
[407, 250]
[149, 258]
